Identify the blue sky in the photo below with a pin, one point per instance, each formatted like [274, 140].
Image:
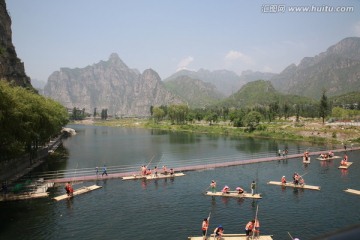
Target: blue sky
[169, 35]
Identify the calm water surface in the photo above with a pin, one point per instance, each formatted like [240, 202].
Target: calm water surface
[174, 208]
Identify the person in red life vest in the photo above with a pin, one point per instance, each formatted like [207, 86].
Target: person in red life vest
[143, 170]
[226, 189]
[248, 228]
[283, 180]
[344, 160]
[69, 190]
[148, 171]
[165, 172]
[219, 231]
[204, 227]
[240, 190]
[306, 155]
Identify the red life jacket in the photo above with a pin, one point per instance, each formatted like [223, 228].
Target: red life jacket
[249, 226]
[205, 225]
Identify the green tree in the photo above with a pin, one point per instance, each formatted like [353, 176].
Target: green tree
[252, 120]
[177, 113]
[158, 114]
[27, 120]
[324, 107]
[273, 110]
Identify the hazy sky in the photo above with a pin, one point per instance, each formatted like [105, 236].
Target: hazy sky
[168, 35]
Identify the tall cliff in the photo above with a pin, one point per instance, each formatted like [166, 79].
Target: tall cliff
[11, 68]
[109, 85]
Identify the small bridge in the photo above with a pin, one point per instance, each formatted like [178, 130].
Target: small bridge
[91, 175]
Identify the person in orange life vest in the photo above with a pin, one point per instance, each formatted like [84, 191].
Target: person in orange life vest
[248, 228]
[204, 227]
[225, 189]
[219, 231]
[283, 180]
[148, 171]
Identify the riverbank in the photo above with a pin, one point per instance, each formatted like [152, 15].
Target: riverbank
[347, 133]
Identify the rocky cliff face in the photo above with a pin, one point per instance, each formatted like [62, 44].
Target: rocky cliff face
[11, 68]
[337, 71]
[109, 85]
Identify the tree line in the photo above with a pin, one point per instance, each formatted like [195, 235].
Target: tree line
[248, 117]
[27, 120]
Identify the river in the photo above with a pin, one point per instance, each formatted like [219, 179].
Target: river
[174, 208]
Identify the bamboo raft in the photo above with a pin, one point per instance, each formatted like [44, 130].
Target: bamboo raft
[305, 186]
[349, 190]
[14, 197]
[328, 158]
[149, 177]
[232, 237]
[348, 164]
[77, 192]
[234, 195]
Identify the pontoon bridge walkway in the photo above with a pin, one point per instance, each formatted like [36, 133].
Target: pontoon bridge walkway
[80, 175]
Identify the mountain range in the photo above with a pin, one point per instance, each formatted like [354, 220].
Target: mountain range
[109, 85]
[127, 92]
[336, 71]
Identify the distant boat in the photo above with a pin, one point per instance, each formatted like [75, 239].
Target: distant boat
[234, 194]
[348, 164]
[305, 186]
[151, 176]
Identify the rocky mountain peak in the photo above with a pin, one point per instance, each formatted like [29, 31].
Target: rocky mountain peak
[11, 67]
[151, 74]
[115, 60]
[347, 48]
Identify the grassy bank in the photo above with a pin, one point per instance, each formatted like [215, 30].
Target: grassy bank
[307, 130]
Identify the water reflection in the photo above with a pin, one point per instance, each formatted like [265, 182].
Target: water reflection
[69, 204]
